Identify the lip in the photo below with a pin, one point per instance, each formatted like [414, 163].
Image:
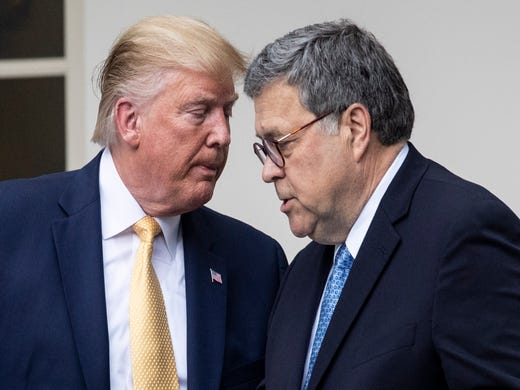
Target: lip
[284, 208]
[210, 170]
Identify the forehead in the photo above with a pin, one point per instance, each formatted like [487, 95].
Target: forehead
[278, 97]
[191, 86]
[278, 110]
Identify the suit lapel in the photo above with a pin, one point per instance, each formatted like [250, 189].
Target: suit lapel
[80, 257]
[293, 316]
[322, 262]
[374, 254]
[205, 302]
[368, 266]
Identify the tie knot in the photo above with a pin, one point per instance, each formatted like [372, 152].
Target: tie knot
[343, 257]
[147, 228]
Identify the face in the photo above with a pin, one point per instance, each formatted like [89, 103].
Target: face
[318, 178]
[184, 136]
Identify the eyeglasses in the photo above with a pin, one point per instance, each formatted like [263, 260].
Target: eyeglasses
[271, 148]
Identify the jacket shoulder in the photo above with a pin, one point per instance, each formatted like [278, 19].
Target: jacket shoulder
[38, 191]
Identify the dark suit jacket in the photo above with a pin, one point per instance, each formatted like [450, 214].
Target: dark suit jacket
[432, 300]
[53, 326]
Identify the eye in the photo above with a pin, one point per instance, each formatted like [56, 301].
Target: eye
[283, 145]
[198, 115]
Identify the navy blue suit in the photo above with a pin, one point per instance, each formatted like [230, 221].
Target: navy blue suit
[53, 325]
[432, 300]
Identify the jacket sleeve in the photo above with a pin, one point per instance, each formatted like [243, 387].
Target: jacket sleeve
[476, 318]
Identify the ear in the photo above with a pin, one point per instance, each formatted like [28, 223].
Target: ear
[356, 121]
[128, 122]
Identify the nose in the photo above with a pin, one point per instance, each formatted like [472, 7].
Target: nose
[220, 134]
[271, 172]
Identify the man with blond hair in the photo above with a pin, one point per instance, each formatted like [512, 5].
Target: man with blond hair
[115, 275]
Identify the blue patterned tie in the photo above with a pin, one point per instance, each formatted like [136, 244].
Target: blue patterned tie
[338, 276]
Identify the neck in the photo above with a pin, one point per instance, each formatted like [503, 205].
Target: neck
[374, 166]
[381, 158]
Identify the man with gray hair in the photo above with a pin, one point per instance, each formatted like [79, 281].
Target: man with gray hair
[115, 275]
[412, 278]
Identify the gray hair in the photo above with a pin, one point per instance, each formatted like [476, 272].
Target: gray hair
[141, 58]
[333, 65]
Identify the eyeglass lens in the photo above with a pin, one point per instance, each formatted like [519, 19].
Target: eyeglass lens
[274, 153]
[268, 149]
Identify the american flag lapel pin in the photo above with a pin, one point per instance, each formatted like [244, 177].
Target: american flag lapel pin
[215, 276]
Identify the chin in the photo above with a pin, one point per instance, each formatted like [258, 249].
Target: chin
[298, 231]
[202, 197]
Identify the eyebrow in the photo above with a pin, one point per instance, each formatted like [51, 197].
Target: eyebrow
[270, 135]
[209, 101]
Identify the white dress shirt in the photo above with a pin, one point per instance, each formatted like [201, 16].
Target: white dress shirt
[359, 230]
[119, 211]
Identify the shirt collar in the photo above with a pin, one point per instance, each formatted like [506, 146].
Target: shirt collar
[120, 210]
[360, 228]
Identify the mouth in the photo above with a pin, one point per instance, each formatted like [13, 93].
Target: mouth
[210, 170]
[211, 167]
[284, 208]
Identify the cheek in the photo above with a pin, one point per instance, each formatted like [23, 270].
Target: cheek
[181, 149]
[311, 199]
[315, 190]
[306, 176]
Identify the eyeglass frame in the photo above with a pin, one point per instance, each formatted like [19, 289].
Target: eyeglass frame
[270, 148]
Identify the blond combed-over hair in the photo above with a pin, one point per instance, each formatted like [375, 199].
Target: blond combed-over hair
[140, 58]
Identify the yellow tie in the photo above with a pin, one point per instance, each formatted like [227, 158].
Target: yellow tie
[153, 362]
